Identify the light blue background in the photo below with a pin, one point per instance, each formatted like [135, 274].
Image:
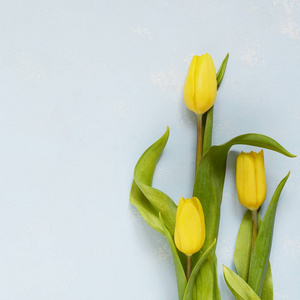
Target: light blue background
[85, 87]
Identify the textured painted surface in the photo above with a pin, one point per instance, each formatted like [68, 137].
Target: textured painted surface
[86, 86]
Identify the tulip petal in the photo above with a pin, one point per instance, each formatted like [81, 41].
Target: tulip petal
[205, 84]
[261, 190]
[189, 86]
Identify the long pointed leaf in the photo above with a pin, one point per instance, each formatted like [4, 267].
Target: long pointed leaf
[238, 286]
[221, 71]
[148, 200]
[180, 274]
[267, 290]
[189, 288]
[242, 252]
[262, 248]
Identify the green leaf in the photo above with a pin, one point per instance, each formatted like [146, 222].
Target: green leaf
[267, 291]
[189, 288]
[207, 129]
[148, 200]
[238, 286]
[210, 178]
[242, 255]
[222, 69]
[180, 274]
[217, 295]
[262, 248]
[242, 252]
[145, 208]
[208, 116]
[206, 286]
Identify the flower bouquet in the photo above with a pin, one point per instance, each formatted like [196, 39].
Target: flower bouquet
[191, 228]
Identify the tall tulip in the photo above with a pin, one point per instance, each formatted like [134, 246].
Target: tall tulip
[200, 92]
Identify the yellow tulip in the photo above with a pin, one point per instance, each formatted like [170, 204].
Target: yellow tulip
[200, 89]
[189, 233]
[251, 179]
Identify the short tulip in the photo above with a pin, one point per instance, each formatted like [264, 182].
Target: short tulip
[189, 233]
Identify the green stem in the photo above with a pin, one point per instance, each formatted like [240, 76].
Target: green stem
[188, 266]
[199, 141]
[254, 229]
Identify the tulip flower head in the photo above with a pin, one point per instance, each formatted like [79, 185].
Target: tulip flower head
[251, 180]
[189, 233]
[200, 89]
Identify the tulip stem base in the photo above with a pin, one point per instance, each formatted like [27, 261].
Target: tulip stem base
[188, 266]
[254, 228]
[199, 141]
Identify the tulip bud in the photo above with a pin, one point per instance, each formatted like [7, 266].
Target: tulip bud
[200, 89]
[189, 233]
[251, 179]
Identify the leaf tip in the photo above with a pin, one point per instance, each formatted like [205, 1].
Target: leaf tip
[224, 269]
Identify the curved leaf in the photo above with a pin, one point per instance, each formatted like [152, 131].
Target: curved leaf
[262, 248]
[144, 207]
[180, 274]
[148, 200]
[238, 286]
[189, 288]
